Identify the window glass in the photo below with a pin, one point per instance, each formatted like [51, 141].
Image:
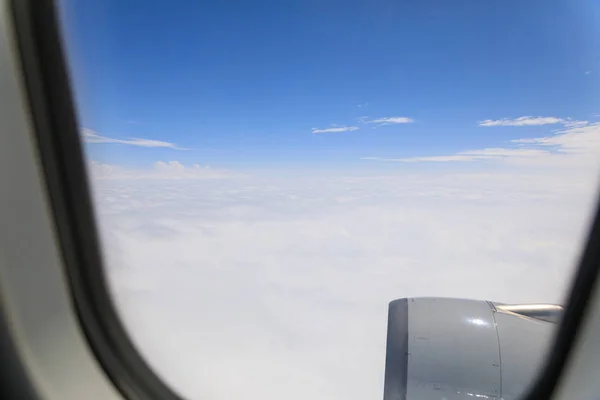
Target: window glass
[269, 175]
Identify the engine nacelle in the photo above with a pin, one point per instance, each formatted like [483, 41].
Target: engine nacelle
[441, 348]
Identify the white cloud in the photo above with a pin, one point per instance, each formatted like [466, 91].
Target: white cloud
[390, 120]
[90, 136]
[522, 121]
[588, 72]
[335, 128]
[576, 146]
[277, 287]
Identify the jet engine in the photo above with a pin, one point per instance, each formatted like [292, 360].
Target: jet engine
[450, 349]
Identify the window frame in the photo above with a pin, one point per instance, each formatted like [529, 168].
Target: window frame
[56, 129]
[51, 105]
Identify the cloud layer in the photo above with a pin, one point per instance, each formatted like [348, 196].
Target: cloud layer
[274, 287]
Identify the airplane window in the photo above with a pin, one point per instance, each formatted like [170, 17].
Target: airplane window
[326, 200]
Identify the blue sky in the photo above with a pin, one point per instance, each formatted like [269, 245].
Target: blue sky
[244, 84]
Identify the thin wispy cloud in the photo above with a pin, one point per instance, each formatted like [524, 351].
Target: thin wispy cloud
[521, 121]
[89, 136]
[424, 159]
[364, 120]
[469, 155]
[588, 72]
[483, 154]
[390, 120]
[335, 129]
[574, 146]
[578, 140]
[574, 123]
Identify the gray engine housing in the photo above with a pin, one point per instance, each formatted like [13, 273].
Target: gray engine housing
[450, 349]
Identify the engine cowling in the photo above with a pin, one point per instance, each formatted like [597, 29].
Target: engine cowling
[447, 349]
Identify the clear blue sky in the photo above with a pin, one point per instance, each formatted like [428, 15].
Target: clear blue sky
[242, 84]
